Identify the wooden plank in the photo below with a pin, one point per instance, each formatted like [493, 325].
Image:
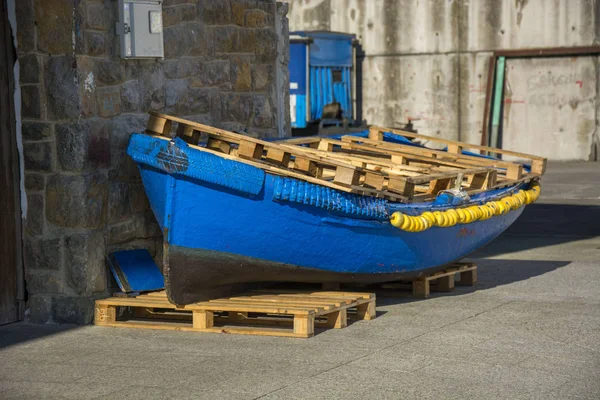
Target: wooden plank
[401, 186]
[188, 133]
[278, 157]
[304, 325]
[159, 125]
[463, 144]
[514, 172]
[374, 181]
[337, 319]
[419, 153]
[218, 145]
[538, 166]
[346, 176]
[420, 288]
[483, 180]
[367, 310]
[468, 277]
[438, 185]
[203, 319]
[306, 165]
[105, 314]
[445, 283]
[249, 149]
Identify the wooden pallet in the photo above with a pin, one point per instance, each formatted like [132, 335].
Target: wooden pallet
[366, 166]
[290, 314]
[442, 281]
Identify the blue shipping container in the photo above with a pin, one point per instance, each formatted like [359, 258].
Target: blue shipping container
[321, 72]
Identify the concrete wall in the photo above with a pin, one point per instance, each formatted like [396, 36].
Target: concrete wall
[429, 60]
[225, 64]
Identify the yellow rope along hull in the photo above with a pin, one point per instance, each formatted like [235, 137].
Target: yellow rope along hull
[465, 215]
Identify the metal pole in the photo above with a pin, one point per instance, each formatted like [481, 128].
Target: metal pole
[498, 95]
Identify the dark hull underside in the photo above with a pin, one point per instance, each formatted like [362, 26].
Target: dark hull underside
[197, 275]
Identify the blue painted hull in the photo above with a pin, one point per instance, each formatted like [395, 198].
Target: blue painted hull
[218, 234]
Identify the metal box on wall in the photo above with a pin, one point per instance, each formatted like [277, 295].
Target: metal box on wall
[140, 28]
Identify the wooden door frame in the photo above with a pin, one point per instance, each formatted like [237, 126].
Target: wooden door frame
[10, 164]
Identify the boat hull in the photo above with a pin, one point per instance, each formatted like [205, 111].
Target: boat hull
[220, 236]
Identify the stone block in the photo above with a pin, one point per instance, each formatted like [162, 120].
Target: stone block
[226, 39]
[123, 168]
[177, 14]
[62, 88]
[122, 126]
[214, 73]
[182, 99]
[262, 77]
[84, 262]
[238, 11]
[43, 254]
[43, 282]
[76, 201]
[35, 182]
[263, 112]
[190, 39]
[153, 87]
[266, 46]
[55, 26]
[241, 73]
[215, 12]
[109, 101]
[83, 145]
[184, 67]
[140, 225]
[255, 19]
[243, 107]
[38, 156]
[248, 42]
[35, 219]
[97, 17]
[30, 69]
[106, 71]
[130, 96]
[37, 130]
[39, 308]
[118, 202]
[236, 107]
[31, 102]
[72, 310]
[168, 3]
[26, 25]
[95, 43]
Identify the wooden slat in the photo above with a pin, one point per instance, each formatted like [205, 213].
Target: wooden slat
[541, 160]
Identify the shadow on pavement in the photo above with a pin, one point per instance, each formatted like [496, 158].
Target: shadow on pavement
[491, 273]
[550, 224]
[20, 332]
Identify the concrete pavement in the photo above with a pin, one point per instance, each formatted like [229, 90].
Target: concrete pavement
[529, 330]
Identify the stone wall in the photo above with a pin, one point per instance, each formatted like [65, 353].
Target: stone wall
[428, 60]
[225, 61]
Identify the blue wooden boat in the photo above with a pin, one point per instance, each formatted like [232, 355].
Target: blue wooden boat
[230, 221]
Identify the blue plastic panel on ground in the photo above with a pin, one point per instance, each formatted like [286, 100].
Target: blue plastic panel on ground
[136, 271]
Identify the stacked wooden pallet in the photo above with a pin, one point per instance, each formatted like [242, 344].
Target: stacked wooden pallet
[292, 314]
[366, 166]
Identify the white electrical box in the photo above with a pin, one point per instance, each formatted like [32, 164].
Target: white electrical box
[140, 28]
